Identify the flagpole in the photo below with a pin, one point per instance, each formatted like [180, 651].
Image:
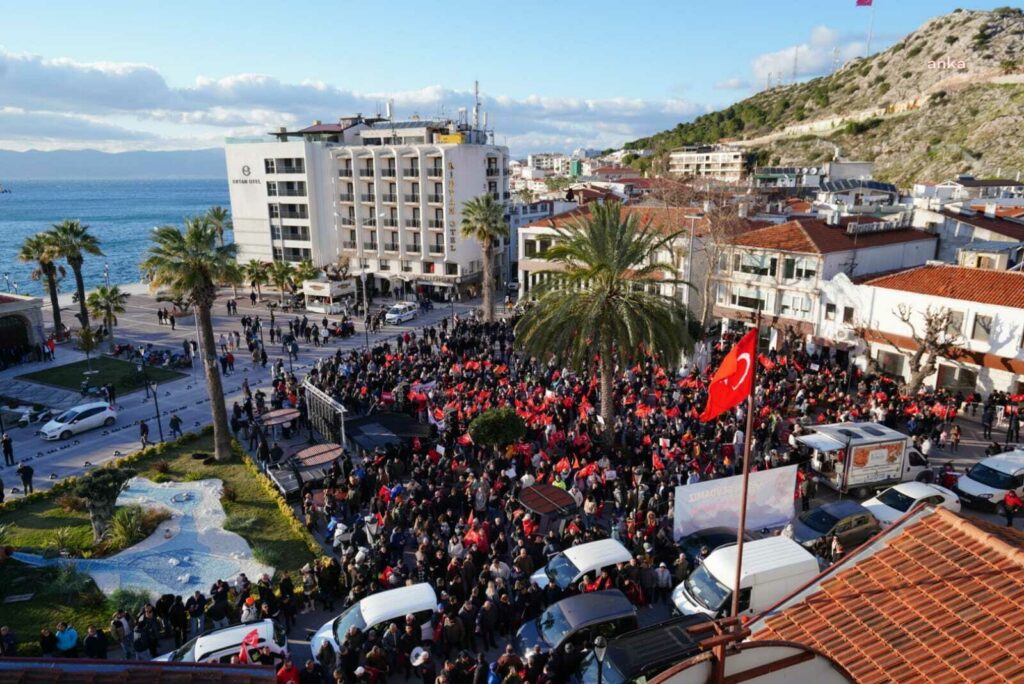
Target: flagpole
[871, 30]
[741, 532]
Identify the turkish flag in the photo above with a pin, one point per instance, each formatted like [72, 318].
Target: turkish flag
[732, 382]
[250, 640]
[863, 3]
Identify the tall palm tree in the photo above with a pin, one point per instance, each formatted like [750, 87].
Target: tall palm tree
[305, 270]
[257, 273]
[483, 219]
[39, 249]
[282, 275]
[220, 219]
[106, 302]
[190, 263]
[601, 297]
[234, 276]
[72, 241]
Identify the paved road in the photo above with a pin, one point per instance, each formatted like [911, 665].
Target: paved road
[187, 397]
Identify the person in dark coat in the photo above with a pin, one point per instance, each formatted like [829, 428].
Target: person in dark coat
[95, 643]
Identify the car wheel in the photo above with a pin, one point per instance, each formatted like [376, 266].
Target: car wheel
[66, 434]
[109, 421]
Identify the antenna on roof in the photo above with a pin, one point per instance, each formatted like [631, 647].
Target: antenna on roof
[476, 104]
[835, 59]
[796, 52]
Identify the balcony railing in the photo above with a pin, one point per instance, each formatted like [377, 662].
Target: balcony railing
[410, 172]
[493, 171]
[348, 244]
[346, 197]
[389, 198]
[390, 222]
[436, 172]
[291, 193]
[435, 223]
[369, 223]
[412, 198]
[366, 173]
[370, 245]
[437, 249]
[384, 266]
[388, 172]
[294, 215]
[414, 249]
[413, 223]
[390, 246]
[435, 199]
[368, 197]
[290, 169]
[347, 221]
[345, 173]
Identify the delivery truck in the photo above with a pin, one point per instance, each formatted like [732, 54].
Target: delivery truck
[860, 458]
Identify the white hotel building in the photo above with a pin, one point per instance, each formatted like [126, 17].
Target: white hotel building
[385, 195]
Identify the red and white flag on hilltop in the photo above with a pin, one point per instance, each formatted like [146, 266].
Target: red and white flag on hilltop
[731, 383]
[863, 3]
[250, 640]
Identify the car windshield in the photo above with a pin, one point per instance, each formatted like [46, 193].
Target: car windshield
[818, 520]
[353, 617]
[187, 653]
[610, 673]
[894, 498]
[396, 310]
[561, 571]
[67, 416]
[990, 477]
[713, 540]
[552, 625]
[706, 590]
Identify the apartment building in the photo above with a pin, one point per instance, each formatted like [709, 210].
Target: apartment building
[718, 162]
[386, 196]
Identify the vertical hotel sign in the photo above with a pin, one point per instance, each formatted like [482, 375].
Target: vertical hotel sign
[451, 206]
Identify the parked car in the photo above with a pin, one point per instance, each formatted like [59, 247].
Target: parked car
[400, 313]
[79, 419]
[220, 645]
[848, 520]
[709, 538]
[891, 504]
[569, 566]
[986, 482]
[376, 611]
[639, 655]
[577, 620]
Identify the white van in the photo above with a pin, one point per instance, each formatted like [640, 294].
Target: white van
[220, 645]
[569, 566]
[986, 482]
[773, 568]
[377, 611]
[400, 313]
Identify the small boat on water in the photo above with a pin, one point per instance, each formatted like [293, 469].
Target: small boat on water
[3, 190]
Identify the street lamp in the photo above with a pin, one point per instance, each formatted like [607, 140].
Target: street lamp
[600, 649]
[156, 401]
[366, 310]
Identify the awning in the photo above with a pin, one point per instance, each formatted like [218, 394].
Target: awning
[821, 442]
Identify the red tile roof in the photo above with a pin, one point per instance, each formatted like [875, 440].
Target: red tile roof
[812, 236]
[664, 219]
[1001, 288]
[1001, 212]
[942, 601]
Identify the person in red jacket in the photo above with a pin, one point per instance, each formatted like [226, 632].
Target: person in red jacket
[288, 674]
[1012, 504]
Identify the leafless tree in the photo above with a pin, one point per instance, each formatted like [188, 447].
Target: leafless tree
[723, 224]
[937, 338]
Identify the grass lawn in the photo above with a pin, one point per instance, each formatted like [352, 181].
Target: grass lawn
[252, 507]
[124, 375]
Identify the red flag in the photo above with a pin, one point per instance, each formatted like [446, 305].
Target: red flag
[863, 3]
[732, 382]
[252, 639]
[657, 462]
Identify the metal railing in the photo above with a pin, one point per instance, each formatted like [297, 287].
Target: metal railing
[345, 173]
[365, 173]
[410, 172]
[348, 244]
[389, 198]
[414, 248]
[413, 223]
[435, 199]
[368, 197]
[436, 172]
[388, 172]
[370, 245]
[411, 198]
[435, 223]
[390, 246]
[390, 222]
[437, 249]
[346, 197]
[347, 221]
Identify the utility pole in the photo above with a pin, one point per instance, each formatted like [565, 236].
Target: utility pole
[796, 53]
[835, 59]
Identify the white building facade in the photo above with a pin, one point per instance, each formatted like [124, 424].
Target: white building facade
[708, 161]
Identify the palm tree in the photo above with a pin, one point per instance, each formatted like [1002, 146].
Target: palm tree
[282, 275]
[72, 241]
[602, 297]
[38, 248]
[190, 263]
[305, 270]
[106, 302]
[484, 220]
[220, 219]
[257, 272]
[234, 276]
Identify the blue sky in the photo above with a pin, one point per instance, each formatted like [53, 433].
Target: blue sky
[555, 75]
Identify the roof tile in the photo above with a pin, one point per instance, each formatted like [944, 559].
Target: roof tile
[1001, 288]
[812, 236]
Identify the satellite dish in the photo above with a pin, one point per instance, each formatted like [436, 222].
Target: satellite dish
[814, 171]
[804, 170]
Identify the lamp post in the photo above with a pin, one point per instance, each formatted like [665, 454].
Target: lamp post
[366, 310]
[156, 401]
[600, 650]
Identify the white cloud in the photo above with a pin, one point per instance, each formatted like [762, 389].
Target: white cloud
[20, 128]
[813, 57]
[137, 96]
[733, 84]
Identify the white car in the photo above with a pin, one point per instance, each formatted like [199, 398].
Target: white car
[985, 484]
[400, 313]
[79, 419]
[220, 645]
[891, 504]
[568, 567]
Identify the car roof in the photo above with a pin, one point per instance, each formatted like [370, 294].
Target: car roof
[232, 636]
[396, 603]
[91, 404]
[841, 509]
[918, 490]
[761, 556]
[597, 554]
[595, 606]
[653, 648]
[1009, 462]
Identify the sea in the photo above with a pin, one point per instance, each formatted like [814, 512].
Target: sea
[121, 213]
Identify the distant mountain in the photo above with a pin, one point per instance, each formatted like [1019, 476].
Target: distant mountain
[947, 99]
[93, 164]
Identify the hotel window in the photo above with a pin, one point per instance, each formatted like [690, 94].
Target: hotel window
[752, 264]
[406, 266]
[269, 165]
[451, 269]
[982, 328]
[271, 189]
[364, 264]
[847, 314]
[803, 269]
[275, 210]
[830, 312]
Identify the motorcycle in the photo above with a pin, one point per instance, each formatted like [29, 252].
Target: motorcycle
[31, 416]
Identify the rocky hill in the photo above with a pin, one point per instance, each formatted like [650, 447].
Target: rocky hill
[947, 99]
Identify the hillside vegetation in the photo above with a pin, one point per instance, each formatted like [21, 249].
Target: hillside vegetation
[939, 111]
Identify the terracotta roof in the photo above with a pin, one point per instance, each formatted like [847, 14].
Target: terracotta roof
[662, 218]
[1001, 288]
[1009, 229]
[812, 236]
[613, 170]
[942, 601]
[36, 671]
[1001, 212]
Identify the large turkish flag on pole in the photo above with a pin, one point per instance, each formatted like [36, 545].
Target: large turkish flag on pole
[733, 380]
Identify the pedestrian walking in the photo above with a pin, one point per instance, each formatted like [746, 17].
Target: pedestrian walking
[8, 449]
[172, 321]
[121, 632]
[1012, 504]
[25, 472]
[1013, 426]
[954, 438]
[144, 433]
[175, 425]
[252, 298]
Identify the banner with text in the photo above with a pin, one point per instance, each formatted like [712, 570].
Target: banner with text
[716, 503]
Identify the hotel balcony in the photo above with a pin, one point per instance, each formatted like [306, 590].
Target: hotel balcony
[345, 173]
[346, 197]
[390, 246]
[347, 221]
[370, 245]
[410, 172]
[366, 173]
[436, 172]
[389, 199]
[290, 169]
[348, 244]
[413, 223]
[291, 193]
[414, 199]
[369, 223]
[493, 171]
[368, 197]
[436, 224]
[388, 172]
[435, 199]
[414, 249]
[389, 222]
[437, 249]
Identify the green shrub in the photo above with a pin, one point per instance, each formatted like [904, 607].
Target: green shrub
[68, 582]
[194, 476]
[162, 467]
[884, 88]
[129, 598]
[160, 478]
[497, 427]
[915, 51]
[126, 527]
[951, 39]
[858, 127]
[70, 503]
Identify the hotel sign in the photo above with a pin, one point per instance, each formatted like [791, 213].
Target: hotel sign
[246, 172]
[451, 207]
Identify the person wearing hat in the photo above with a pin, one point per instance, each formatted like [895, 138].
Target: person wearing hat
[250, 613]
[663, 582]
[424, 665]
